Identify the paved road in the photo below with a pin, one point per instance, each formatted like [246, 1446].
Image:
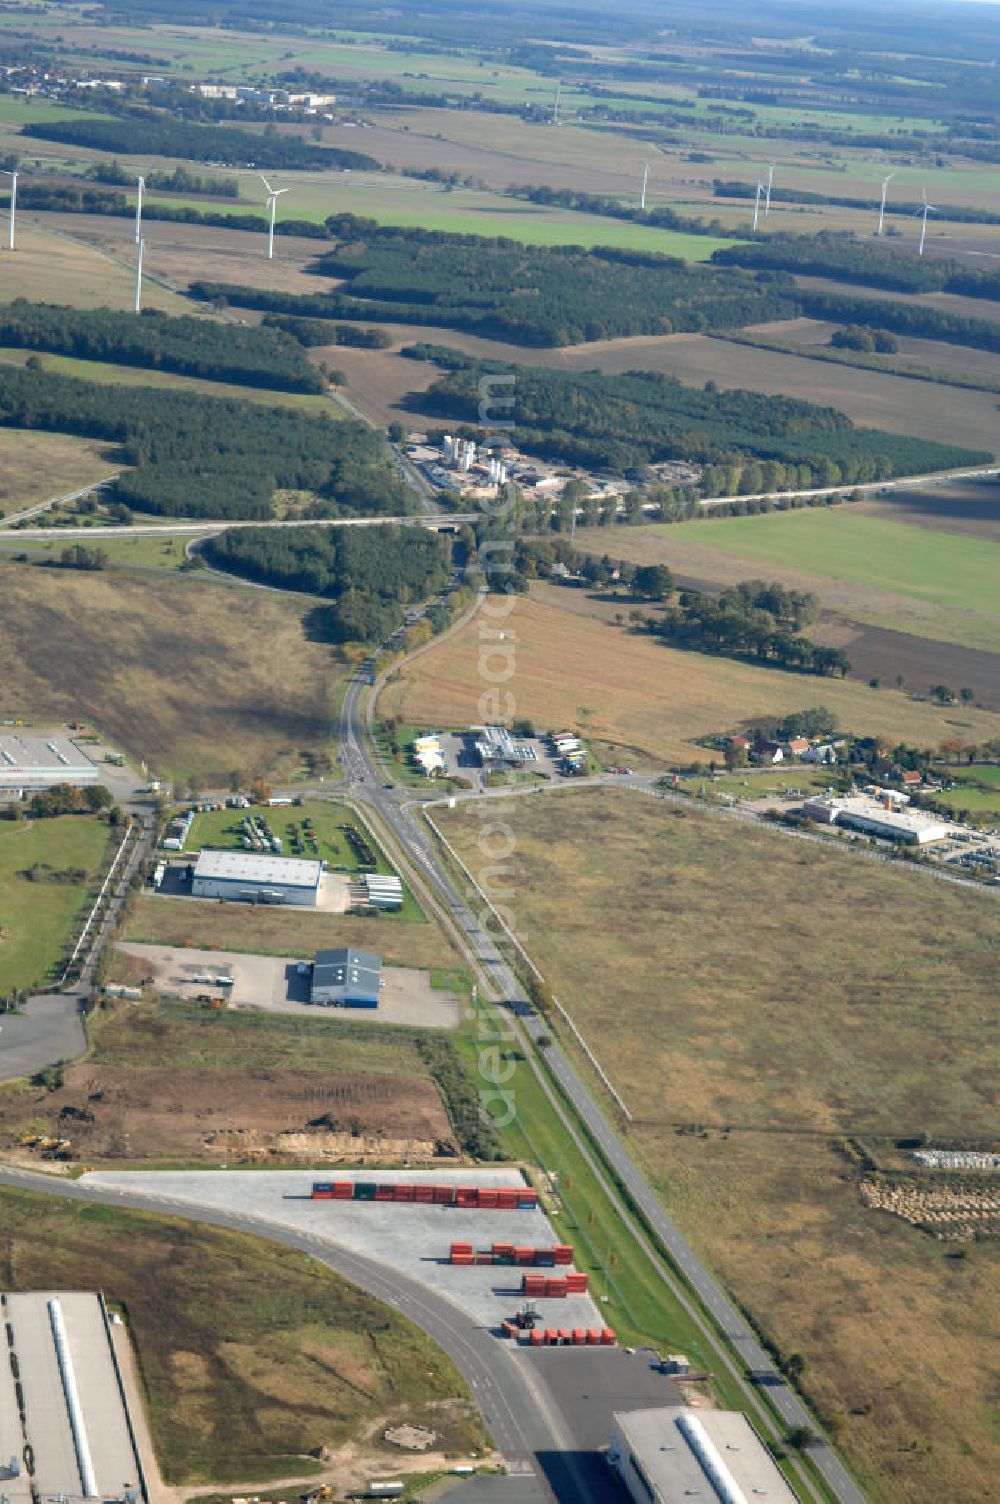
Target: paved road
[524, 1423]
[58, 501]
[194, 529]
[411, 834]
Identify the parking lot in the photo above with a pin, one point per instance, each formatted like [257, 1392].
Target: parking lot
[412, 1238]
[275, 984]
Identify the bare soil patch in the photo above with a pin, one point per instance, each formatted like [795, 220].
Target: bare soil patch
[247, 1116]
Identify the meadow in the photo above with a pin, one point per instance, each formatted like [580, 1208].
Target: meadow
[36, 467]
[48, 869]
[940, 567]
[249, 1354]
[632, 697]
[57, 268]
[766, 1007]
[199, 679]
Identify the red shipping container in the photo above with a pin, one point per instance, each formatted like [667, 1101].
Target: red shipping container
[593, 1338]
[527, 1196]
[343, 1190]
[423, 1193]
[576, 1284]
[579, 1337]
[508, 1329]
[564, 1337]
[555, 1288]
[563, 1253]
[322, 1196]
[537, 1337]
[532, 1284]
[484, 1258]
[551, 1336]
[402, 1193]
[524, 1255]
[466, 1195]
[507, 1198]
[487, 1197]
[383, 1193]
[607, 1337]
[505, 1248]
[461, 1247]
[444, 1195]
[462, 1258]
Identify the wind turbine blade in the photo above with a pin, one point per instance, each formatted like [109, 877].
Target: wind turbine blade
[266, 183]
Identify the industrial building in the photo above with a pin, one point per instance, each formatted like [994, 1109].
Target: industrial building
[878, 817]
[256, 877]
[39, 762]
[68, 1403]
[346, 978]
[667, 1456]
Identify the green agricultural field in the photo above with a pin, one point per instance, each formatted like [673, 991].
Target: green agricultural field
[48, 869]
[943, 568]
[401, 201]
[249, 1355]
[976, 790]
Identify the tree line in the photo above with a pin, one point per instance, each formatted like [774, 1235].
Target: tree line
[177, 181]
[80, 198]
[318, 332]
[157, 341]
[371, 573]
[145, 134]
[641, 417]
[842, 257]
[197, 456]
[752, 620]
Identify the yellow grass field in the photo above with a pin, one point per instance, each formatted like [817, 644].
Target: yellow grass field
[55, 268]
[37, 466]
[633, 694]
[195, 677]
[757, 1000]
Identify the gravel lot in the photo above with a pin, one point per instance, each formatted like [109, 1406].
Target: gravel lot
[273, 983]
[413, 1239]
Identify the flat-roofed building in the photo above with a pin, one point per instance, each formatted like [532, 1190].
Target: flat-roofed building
[346, 978]
[672, 1455]
[878, 817]
[30, 761]
[76, 1419]
[256, 877]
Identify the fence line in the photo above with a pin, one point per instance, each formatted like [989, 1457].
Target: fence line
[97, 903]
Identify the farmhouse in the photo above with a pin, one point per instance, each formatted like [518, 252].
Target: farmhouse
[256, 877]
[38, 762]
[346, 978]
[668, 1455]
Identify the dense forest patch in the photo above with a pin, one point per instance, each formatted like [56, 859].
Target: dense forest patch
[149, 135]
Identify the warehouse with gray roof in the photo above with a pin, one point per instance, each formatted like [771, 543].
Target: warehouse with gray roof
[670, 1455]
[256, 877]
[346, 978]
[67, 1405]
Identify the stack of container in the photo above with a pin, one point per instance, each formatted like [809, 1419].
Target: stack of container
[461, 1253]
[576, 1284]
[500, 1198]
[560, 1337]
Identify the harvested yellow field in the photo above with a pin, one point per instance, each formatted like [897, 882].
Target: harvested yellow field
[631, 693]
[58, 268]
[37, 466]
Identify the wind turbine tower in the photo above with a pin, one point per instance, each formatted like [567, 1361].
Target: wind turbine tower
[756, 204]
[770, 179]
[12, 174]
[645, 180]
[140, 246]
[923, 211]
[138, 208]
[555, 107]
[881, 208]
[273, 195]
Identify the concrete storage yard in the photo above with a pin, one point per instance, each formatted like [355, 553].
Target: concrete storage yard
[274, 984]
[59, 1437]
[413, 1239]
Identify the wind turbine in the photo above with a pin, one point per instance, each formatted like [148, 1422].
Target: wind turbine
[138, 209]
[273, 195]
[645, 180]
[12, 174]
[770, 179]
[756, 204]
[925, 208]
[555, 107]
[140, 246]
[881, 208]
